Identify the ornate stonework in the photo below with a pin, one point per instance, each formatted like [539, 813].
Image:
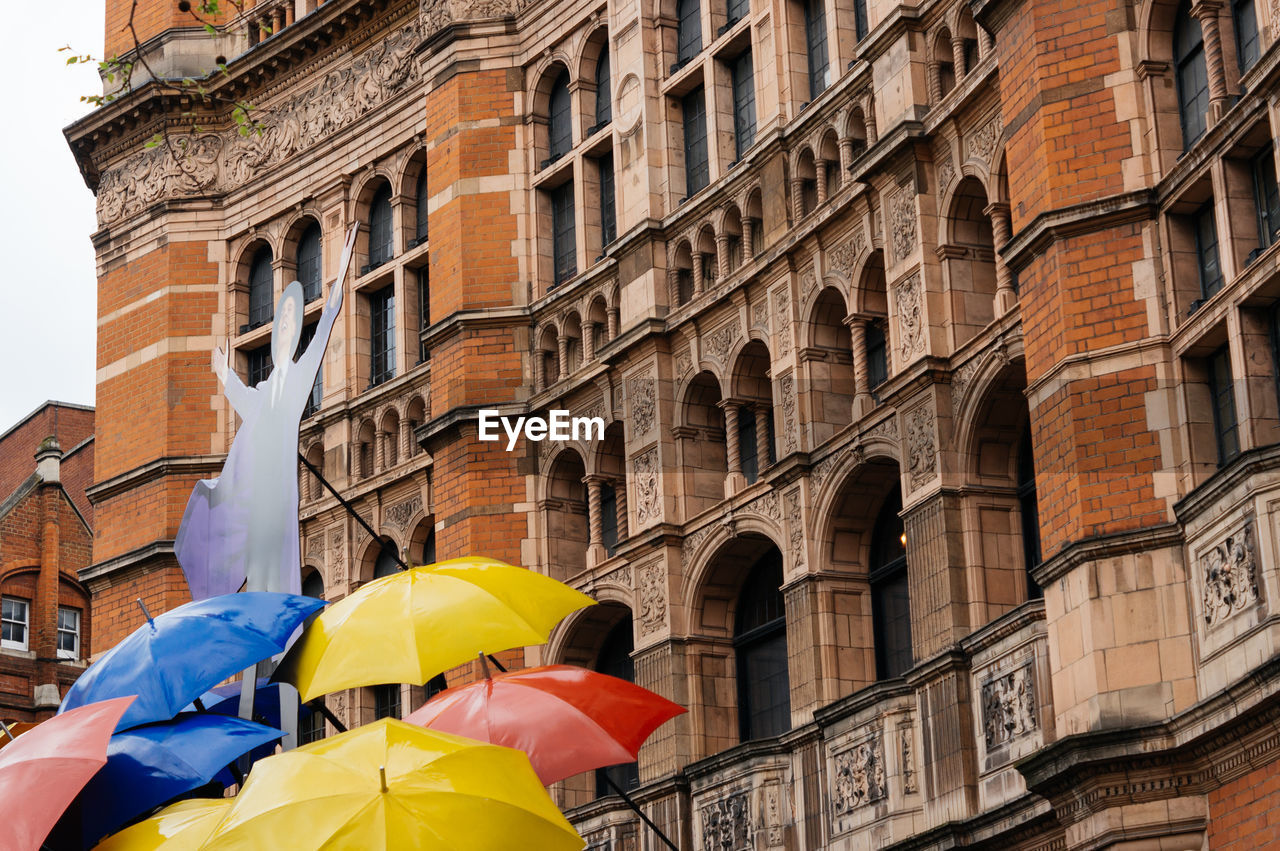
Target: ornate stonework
[315, 546]
[337, 555]
[841, 258]
[691, 541]
[795, 523]
[1009, 706]
[720, 342]
[781, 305]
[982, 142]
[946, 174]
[401, 513]
[726, 824]
[906, 299]
[1230, 576]
[760, 315]
[808, 286]
[902, 222]
[767, 505]
[438, 14]
[908, 760]
[790, 426]
[641, 392]
[648, 499]
[860, 777]
[922, 453]
[684, 364]
[651, 598]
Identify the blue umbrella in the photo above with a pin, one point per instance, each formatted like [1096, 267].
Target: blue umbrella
[225, 700]
[147, 766]
[172, 659]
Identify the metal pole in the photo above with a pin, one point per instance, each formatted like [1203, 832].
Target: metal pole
[632, 804]
[317, 705]
[350, 509]
[7, 731]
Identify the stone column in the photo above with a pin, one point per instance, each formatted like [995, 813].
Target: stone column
[985, 43]
[697, 274]
[379, 450]
[562, 343]
[589, 342]
[846, 158]
[277, 20]
[539, 370]
[288, 15]
[957, 57]
[620, 500]
[722, 255]
[406, 438]
[797, 199]
[595, 522]
[820, 166]
[862, 401]
[748, 240]
[763, 413]
[1006, 295]
[1206, 12]
[612, 322]
[673, 284]
[869, 115]
[935, 81]
[734, 481]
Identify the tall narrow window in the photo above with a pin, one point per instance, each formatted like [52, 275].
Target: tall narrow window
[561, 127]
[748, 458]
[615, 661]
[609, 518]
[688, 30]
[877, 356]
[15, 623]
[1266, 196]
[386, 701]
[860, 23]
[604, 90]
[1248, 47]
[308, 262]
[736, 10]
[744, 104]
[310, 726]
[890, 594]
[565, 246]
[420, 198]
[382, 335]
[317, 386]
[380, 245]
[385, 564]
[259, 365]
[760, 644]
[608, 203]
[1191, 74]
[260, 288]
[1207, 251]
[68, 633]
[424, 310]
[697, 173]
[1030, 511]
[1224, 406]
[815, 38]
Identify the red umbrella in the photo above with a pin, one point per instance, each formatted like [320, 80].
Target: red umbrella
[43, 771]
[567, 719]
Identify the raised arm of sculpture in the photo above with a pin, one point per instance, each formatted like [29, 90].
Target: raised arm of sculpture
[242, 398]
[309, 362]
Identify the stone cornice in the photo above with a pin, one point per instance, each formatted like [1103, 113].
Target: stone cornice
[1208, 494]
[133, 559]
[1062, 222]
[1098, 547]
[172, 466]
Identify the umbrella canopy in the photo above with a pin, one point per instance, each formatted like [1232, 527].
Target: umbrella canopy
[567, 719]
[405, 628]
[147, 766]
[393, 785]
[225, 700]
[172, 659]
[17, 728]
[183, 826]
[41, 772]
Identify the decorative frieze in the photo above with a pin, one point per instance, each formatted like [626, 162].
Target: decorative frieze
[648, 498]
[726, 824]
[1230, 576]
[401, 513]
[902, 222]
[767, 505]
[907, 735]
[438, 14]
[720, 342]
[790, 426]
[922, 453]
[641, 395]
[906, 300]
[782, 309]
[859, 777]
[795, 524]
[1009, 706]
[651, 598]
[982, 142]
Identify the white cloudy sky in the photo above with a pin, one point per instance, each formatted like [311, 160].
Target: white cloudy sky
[48, 292]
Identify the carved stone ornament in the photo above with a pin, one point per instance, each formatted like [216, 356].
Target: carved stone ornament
[922, 453]
[782, 307]
[720, 341]
[796, 526]
[648, 501]
[315, 546]
[620, 576]
[767, 505]
[337, 555]
[906, 299]
[790, 426]
[691, 541]
[726, 824]
[219, 162]
[1230, 576]
[760, 315]
[808, 286]
[684, 364]
[961, 379]
[860, 777]
[823, 469]
[438, 14]
[773, 815]
[641, 392]
[946, 174]
[841, 258]
[1009, 707]
[982, 143]
[651, 598]
[401, 513]
[908, 760]
[886, 429]
[902, 222]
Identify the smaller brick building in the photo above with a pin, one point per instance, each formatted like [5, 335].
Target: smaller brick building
[46, 536]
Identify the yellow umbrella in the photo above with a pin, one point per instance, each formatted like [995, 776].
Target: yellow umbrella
[183, 826]
[410, 626]
[393, 785]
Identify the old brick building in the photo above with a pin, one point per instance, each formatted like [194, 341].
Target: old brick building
[936, 343]
[46, 538]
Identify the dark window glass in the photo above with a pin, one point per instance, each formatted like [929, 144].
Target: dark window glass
[313, 585]
[877, 355]
[1248, 47]
[380, 246]
[697, 172]
[386, 564]
[1191, 75]
[860, 23]
[308, 261]
[760, 644]
[435, 685]
[310, 726]
[317, 387]
[615, 661]
[260, 288]
[1275, 344]
[259, 365]
[604, 90]
[382, 335]
[424, 310]
[429, 548]
[747, 454]
[420, 196]
[744, 104]
[565, 245]
[386, 701]
[689, 30]
[1224, 406]
[684, 286]
[815, 37]
[1030, 511]
[609, 518]
[890, 594]
[736, 10]
[608, 203]
[1207, 251]
[561, 116]
[1266, 196]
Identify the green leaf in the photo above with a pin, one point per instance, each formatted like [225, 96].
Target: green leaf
[209, 28]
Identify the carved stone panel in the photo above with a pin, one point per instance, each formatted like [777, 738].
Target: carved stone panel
[338, 555]
[902, 222]
[641, 392]
[1229, 572]
[908, 760]
[982, 142]
[726, 824]
[648, 496]
[906, 301]
[922, 453]
[790, 422]
[795, 525]
[402, 512]
[782, 307]
[859, 777]
[1009, 708]
[651, 598]
[720, 342]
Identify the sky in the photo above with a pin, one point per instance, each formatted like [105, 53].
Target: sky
[48, 285]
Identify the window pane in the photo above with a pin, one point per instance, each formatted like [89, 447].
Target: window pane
[260, 288]
[382, 336]
[1192, 76]
[561, 116]
[1266, 196]
[564, 238]
[860, 24]
[689, 30]
[68, 633]
[424, 309]
[615, 661]
[737, 10]
[815, 36]
[744, 104]
[421, 198]
[1207, 251]
[386, 701]
[317, 387]
[760, 644]
[308, 261]
[380, 246]
[608, 203]
[1224, 405]
[609, 518]
[14, 614]
[890, 593]
[386, 564]
[877, 356]
[1030, 511]
[696, 168]
[604, 90]
[311, 727]
[1247, 44]
[259, 365]
[750, 461]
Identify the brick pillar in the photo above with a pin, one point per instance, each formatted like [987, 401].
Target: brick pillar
[43, 638]
[734, 481]
[862, 401]
[1206, 12]
[1006, 295]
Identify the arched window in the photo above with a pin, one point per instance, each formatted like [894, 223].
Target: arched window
[308, 261]
[420, 194]
[561, 117]
[386, 564]
[1030, 511]
[760, 644]
[1248, 46]
[688, 30]
[604, 90]
[890, 594]
[260, 288]
[313, 585]
[615, 660]
[1191, 74]
[380, 245]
